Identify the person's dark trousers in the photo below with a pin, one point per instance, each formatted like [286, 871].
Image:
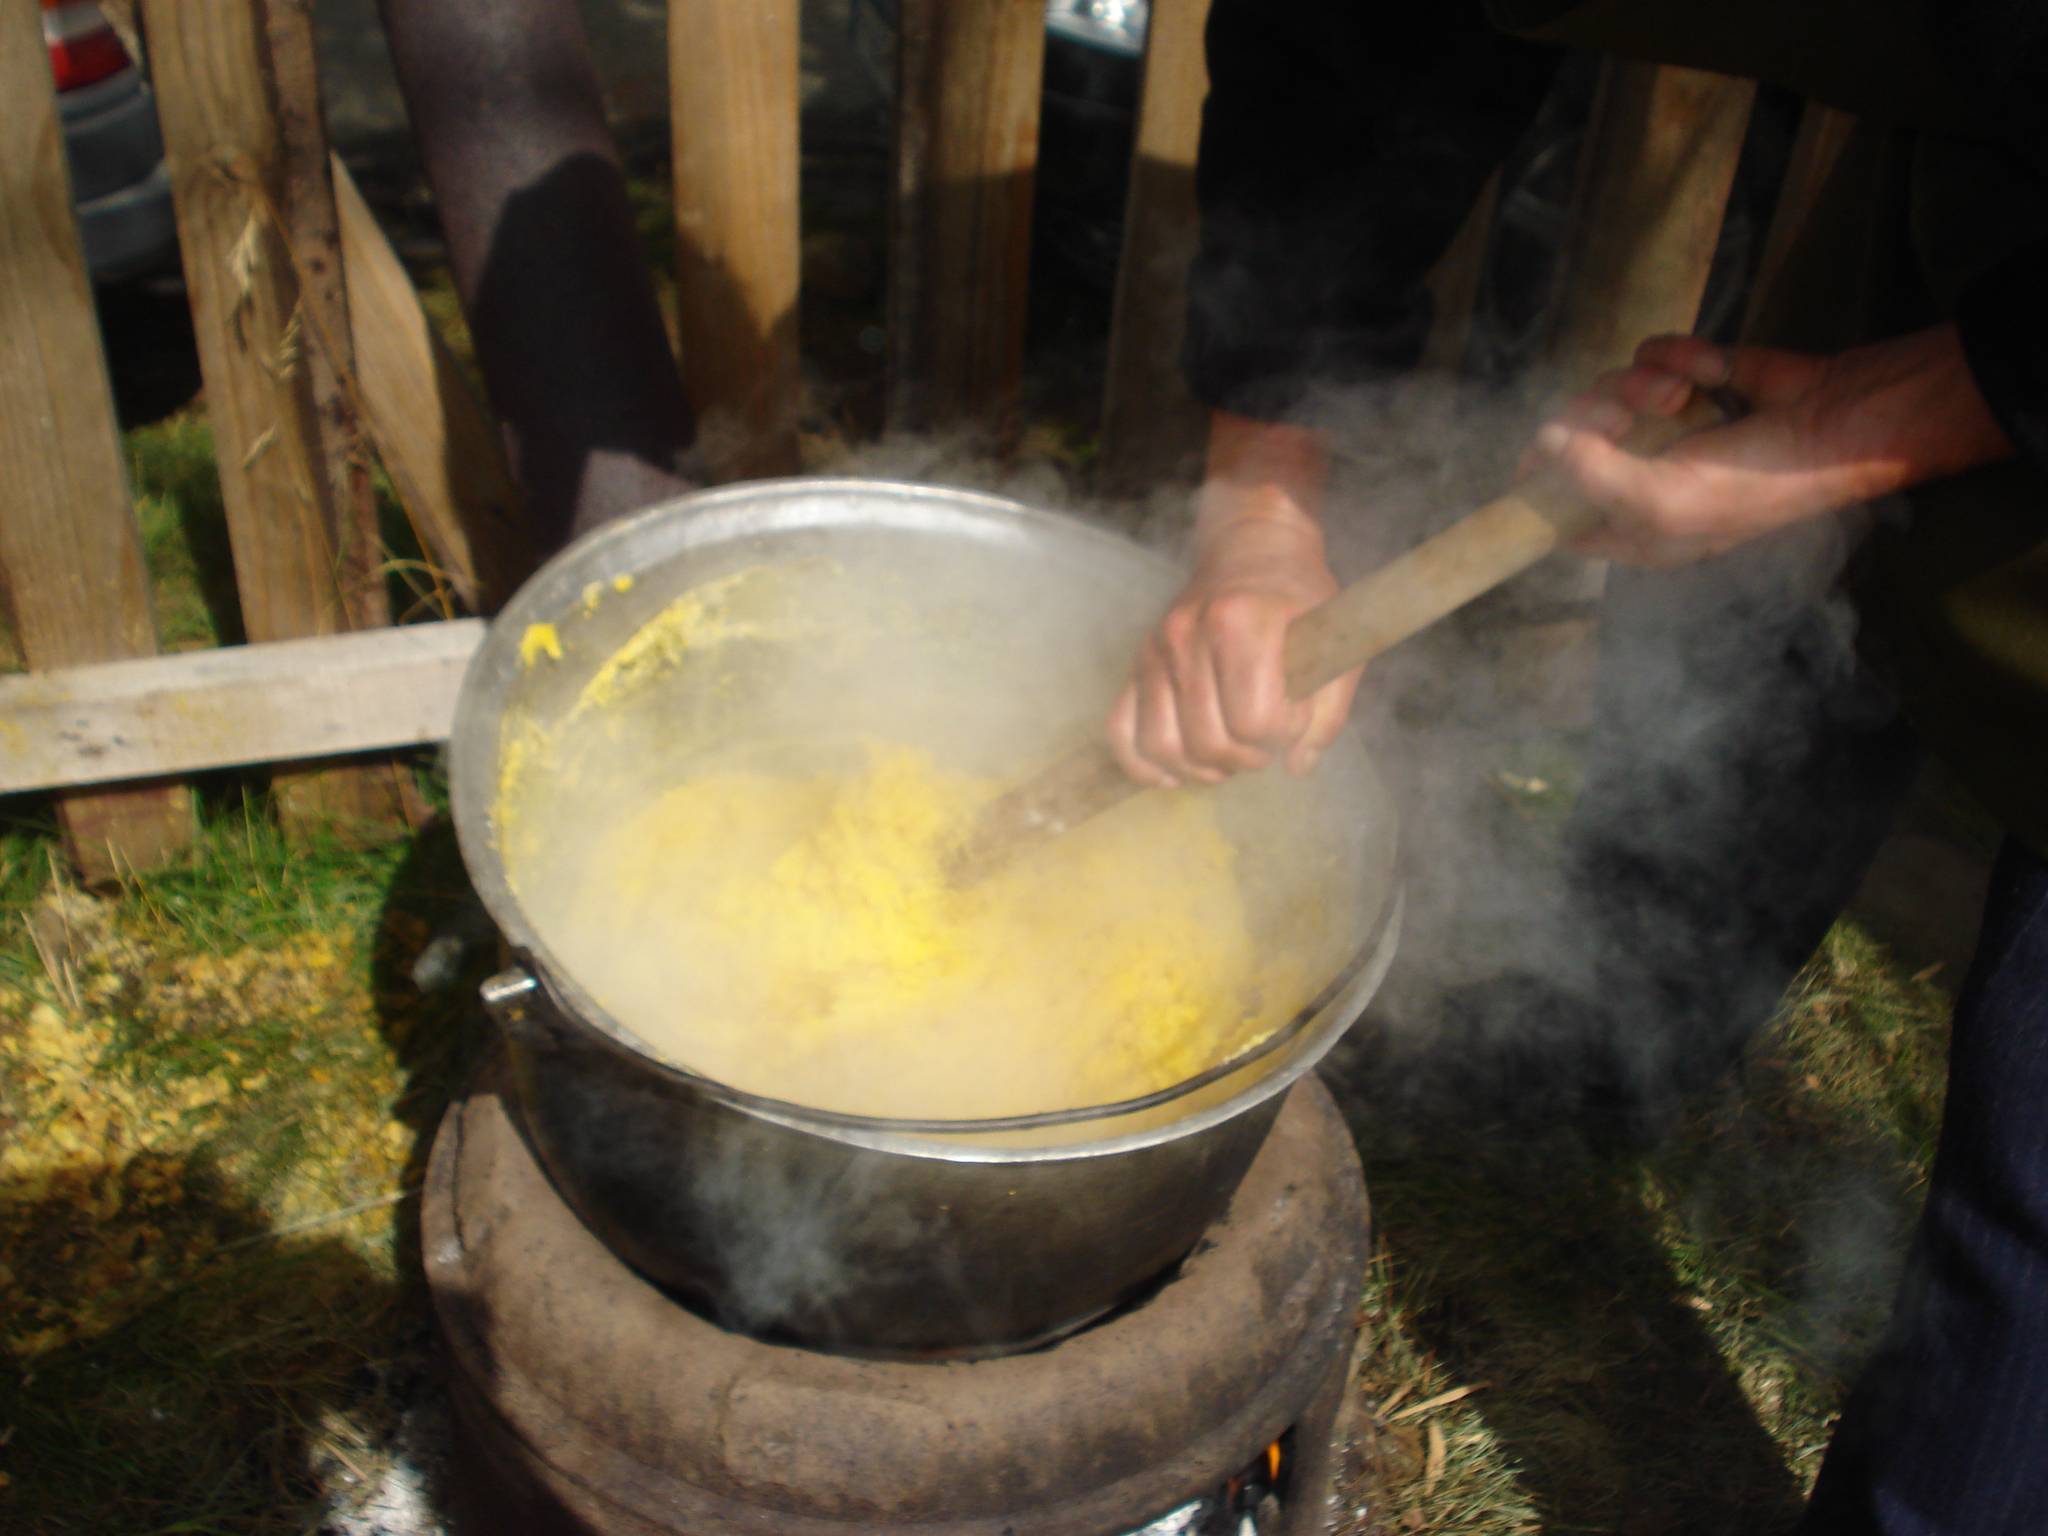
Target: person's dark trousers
[1947, 1431]
[1745, 764]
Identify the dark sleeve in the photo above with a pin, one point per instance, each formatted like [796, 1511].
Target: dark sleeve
[2003, 314]
[2003, 319]
[505, 105]
[1342, 145]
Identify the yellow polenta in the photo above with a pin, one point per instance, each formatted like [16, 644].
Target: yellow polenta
[786, 925]
[795, 934]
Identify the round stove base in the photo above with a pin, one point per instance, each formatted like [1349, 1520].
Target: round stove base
[590, 1403]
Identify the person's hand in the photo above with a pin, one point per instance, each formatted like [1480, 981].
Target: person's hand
[1208, 693]
[1822, 433]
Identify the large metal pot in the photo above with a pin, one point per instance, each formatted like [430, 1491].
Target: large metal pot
[845, 1230]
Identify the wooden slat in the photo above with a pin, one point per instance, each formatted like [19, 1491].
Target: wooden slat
[1660, 157]
[1654, 176]
[436, 440]
[70, 557]
[373, 793]
[1153, 428]
[225, 152]
[290, 700]
[970, 73]
[1426, 409]
[1824, 132]
[733, 117]
[1454, 284]
[241, 176]
[326, 350]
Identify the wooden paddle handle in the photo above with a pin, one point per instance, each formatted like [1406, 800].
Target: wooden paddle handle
[1371, 616]
[1474, 555]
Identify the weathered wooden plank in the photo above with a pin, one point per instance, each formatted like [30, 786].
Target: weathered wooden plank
[436, 440]
[1824, 132]
[243, 177]
[1654, 176]
[1426, 409]
[226, 156]
[70, 558]
[374, 792]
[290, 700]
[1153, 428]
[1454, 284]
[967, 101]
[1660, 157]
[733, 120]
[326, 350]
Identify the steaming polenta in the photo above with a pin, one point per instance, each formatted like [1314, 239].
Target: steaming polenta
[729, 823]
[794, 934]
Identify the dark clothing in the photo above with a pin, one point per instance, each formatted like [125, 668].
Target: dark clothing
[1944, 1433]
[1745, 760]
[1946, 218]
[1746, 767]
[1784, 798]
[2003, 317]
[1343, 144]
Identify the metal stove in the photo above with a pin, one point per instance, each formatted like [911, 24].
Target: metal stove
[588, 1402]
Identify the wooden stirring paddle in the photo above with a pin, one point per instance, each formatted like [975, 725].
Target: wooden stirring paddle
[1372, 615]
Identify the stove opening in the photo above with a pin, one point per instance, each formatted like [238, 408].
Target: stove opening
[1248, 1504]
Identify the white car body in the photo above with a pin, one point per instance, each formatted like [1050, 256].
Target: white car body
[119, 184]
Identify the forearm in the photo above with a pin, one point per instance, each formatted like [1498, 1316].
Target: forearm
[505, 104]
[1261, 471]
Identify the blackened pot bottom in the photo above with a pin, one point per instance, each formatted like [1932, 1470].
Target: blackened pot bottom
[589, 1401]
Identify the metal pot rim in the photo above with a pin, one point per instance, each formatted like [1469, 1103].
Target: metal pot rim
[702, 519]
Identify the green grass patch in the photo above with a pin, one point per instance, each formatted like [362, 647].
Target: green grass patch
[247, 881]
[215, 1097]
[184, 531]
[1659, 1343]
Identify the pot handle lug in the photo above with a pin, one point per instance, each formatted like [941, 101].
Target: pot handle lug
[520, 1006]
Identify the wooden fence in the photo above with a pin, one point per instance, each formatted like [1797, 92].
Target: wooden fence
[315, 354]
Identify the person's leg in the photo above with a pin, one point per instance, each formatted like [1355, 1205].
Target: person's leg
[1947, 1432]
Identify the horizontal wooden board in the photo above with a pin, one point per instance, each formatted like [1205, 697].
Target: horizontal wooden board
[284, 701]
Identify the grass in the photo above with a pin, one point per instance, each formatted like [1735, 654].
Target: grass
[217, 1088]
[1657, 1344]
[184, 532]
